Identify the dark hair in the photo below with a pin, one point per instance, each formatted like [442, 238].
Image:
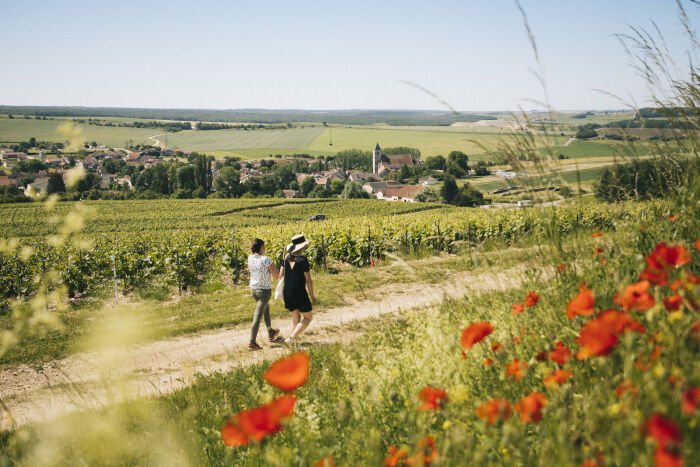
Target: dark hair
[257, 245]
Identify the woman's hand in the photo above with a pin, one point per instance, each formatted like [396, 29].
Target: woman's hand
[313, 300]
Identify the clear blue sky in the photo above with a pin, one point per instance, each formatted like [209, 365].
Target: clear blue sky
[321, 54]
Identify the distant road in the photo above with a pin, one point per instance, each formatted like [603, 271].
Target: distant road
[571, 140]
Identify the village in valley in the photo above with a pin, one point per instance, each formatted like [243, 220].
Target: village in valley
[34, 172]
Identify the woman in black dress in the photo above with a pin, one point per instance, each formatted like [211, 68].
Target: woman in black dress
[297, 278]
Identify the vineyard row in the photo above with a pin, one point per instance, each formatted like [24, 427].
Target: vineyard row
[185, 256]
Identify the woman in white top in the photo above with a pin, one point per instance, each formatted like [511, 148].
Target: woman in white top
[261, 267]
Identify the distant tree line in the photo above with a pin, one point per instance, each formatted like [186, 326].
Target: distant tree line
[655, 123]
[171, 127]
[347, 117]
[245, 126]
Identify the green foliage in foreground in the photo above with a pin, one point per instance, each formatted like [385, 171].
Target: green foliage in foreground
[362, 398]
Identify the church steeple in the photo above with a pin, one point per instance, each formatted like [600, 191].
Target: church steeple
[376, 158]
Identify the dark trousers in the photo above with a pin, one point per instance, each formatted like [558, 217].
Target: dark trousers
[262, 310]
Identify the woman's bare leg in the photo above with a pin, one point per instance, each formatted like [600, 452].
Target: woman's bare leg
[296, 317]
[303, 324]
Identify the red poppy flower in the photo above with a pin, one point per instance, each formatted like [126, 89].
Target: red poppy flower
[691, 400]
[425, 452]
[661, 260]
[517, 308]
[475, 333]
[673, 217]
[262, 421]
[496, 346]
[596, 234]
[556, 378]
[581, 304]
[283, 406]
[662, 429]
[596, 338]
[697, 244]
[600, 335]
[562, 267]
[598, 251]
[464, 355]
[394, 458]
[626, 387]
[672, 380]
[432, 398]
[665, 458]
[635, 297]
[515, 369]
[561, 354]
[517, 339]
[532, 299]
[233, 436]
[596, 461]
[530, 407]
[327, 462]
[289, 373]
[541, 356]
[619, 322]
[673, 302]
[493, 410]
[257, 423]
[488, 361]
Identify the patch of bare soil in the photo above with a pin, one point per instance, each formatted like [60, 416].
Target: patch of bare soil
[84, 381]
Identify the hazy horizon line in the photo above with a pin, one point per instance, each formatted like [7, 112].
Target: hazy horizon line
[326, 110]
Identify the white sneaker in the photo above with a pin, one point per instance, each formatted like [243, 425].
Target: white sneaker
[290, 343]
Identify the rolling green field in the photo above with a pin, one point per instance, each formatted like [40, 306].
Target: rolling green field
[18, 129]
[478, 142]
[219, 140]
[431, 141]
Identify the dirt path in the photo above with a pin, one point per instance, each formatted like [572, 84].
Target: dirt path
[155, 141]
[571, 140]
[91, 380]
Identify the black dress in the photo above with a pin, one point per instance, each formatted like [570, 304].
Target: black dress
[294, 292]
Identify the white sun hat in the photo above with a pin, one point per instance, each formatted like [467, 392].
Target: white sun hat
[298, 242]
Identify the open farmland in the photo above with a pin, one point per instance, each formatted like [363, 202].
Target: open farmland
[431, 142]
[19, 129]
[221, 140]
[478, 142]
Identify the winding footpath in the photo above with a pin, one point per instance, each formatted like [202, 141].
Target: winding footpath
[33, 394]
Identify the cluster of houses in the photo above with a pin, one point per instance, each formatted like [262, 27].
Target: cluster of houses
[39, 181]
[382, 165]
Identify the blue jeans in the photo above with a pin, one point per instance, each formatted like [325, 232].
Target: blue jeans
[262, 311]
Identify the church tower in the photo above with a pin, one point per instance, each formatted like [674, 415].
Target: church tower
[376, 158]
